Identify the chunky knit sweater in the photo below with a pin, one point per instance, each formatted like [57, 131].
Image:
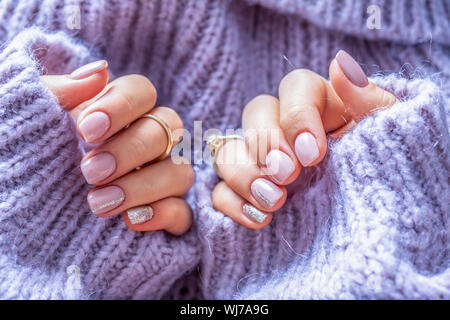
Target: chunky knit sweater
[371, 221]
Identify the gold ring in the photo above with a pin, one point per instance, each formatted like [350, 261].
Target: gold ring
[215, 142]
[166, 128]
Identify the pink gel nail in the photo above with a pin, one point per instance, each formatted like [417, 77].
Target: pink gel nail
[351, 69]
[105, 199]
[88, 70]
[306, 148]
[279, 165]
[266, 192]
[98, 167]
[94, 126]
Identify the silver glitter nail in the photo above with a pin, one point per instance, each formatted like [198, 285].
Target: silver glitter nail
[253, 213]
[140, 215]
[268, 203]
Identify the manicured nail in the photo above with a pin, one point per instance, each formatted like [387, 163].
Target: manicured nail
[140, 214]
[105, 199]
[306, 148]
[266, 192]
[279, 165]
[351, 69]
[94, 126]
[88, 70]
[253, 213]
[98, 167]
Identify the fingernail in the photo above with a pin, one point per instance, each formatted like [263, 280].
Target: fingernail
[253, 213]
[266, 192]
[306, 148]
[105, 199]
[351, 69]
[279, 165]
[98, 167]
[88, 70]
[94, 126]
[140, 214]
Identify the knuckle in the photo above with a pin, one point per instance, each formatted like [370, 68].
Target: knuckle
[185, 173]
[171, 116]
[302, 77]
[258, 100]
[172, 206]
[139, 146]
[293, 116]
[217, 198]
[140, 81]
[234, 178]
[299, 73]
[124, 100]
[251, 136]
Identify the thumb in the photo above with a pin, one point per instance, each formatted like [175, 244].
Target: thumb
[81, 85]
[359, 96]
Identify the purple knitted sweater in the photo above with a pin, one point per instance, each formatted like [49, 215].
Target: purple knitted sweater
[371, 221]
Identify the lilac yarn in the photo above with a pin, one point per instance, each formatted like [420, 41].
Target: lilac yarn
[370, 222]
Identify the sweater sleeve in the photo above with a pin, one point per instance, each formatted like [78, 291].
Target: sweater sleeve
[371, 221]
[51, 246]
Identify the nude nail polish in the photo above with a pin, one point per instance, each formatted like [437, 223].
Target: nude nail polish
[266, 192]
[140, 214]
[253, 213]
[279, 165]
[98, 167]
[88, 70]
[94, 126]
[306, 148]
[351, 69]
[105, 199]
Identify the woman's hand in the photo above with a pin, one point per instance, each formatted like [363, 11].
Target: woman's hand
[109, 115]
[283, 135]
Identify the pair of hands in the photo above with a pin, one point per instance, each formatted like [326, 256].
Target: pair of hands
[309, 107]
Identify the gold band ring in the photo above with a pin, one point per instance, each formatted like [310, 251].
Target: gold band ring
[166, 128]
[215, 142]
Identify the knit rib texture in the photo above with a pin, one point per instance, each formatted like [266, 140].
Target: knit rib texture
[370, 222]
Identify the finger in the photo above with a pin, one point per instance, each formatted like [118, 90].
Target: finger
[360, 96]
[343, 130]
[238, 209]
[266, 140]
[83, 84]
[123, 101]
[309, 108]
[170, 214]
[161, 180]
[243, 175]
[144, 141]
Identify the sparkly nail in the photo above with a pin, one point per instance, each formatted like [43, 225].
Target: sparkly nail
[266, 192]
[140, 214]
[253, 213]
[105, 199]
